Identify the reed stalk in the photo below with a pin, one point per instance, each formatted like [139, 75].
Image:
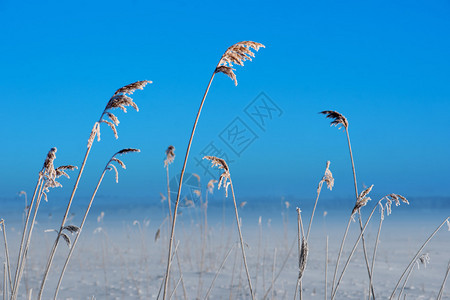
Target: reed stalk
[375, 251]
[236, 54]
[25, 227]
[329, 180]
[441, 290]
[8, 265]
[415, 257]
[218, 271]
[326, 268]
[109, 167]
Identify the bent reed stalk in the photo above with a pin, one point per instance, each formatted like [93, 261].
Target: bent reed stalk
[236, 54]
[118, 100]
[225, 181]
[109, 167]
[415, 257]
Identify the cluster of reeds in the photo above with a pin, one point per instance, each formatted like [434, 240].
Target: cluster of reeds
[237, 54]
[47, 180]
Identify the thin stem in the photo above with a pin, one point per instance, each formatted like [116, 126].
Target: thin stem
[326, 267]
[374, 255]
[170, 221]
[314, 209]
[162, 282]
[181, 276]
[55, 244]
[353, 250]
[273, 268]
[6, 253]
[406, 280]
[415, 256]
[281, 269]
[441, 290]
[340, 253]
[218, 271]
[242, 241]
[353, 164]
[4, 281]
[168, 193]
[167, 275]
[359, 212]
[79, 232]
[19, 257]
[21, 264]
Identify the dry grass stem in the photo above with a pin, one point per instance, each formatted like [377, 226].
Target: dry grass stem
[235, 54]
[74, 229]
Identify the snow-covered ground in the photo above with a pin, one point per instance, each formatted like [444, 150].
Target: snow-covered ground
[117, 256]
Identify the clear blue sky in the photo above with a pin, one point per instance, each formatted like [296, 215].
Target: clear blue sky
[384, 65]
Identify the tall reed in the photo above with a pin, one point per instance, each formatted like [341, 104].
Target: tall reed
[109, 167]
[237, 54]
[341, 121]
[225, 181]
[121, 100]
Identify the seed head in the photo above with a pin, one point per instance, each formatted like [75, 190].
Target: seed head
[338, 119]
[170, 155]
[236, 54]
[225, 178]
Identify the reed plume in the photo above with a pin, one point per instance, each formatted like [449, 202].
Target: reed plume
[340, 121]
[237, 54]
[74, 229]
[121, 100]
[225, 182]
[329, 181]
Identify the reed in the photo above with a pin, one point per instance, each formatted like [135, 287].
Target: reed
[302, 254]
[329, 180]
[119, 100]
[237, 54]
[340, 121]
[109, 167]
[225, 182]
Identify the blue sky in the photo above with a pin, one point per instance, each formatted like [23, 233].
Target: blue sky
[384, 65]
